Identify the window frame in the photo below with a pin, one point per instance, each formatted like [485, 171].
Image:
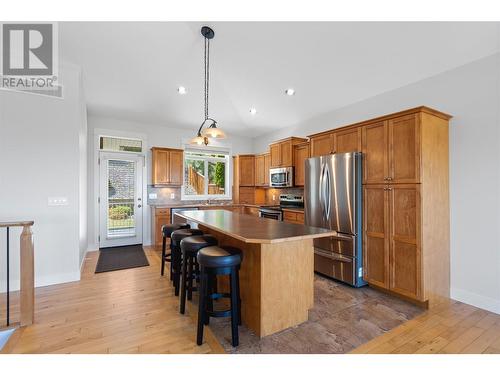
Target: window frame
[227, 161]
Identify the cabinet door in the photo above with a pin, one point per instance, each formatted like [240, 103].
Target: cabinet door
[404, 149]
[259, 170]
[348, 140]
[405, 258]
[267, 166]
[375, 156]
[247, 170]
[159, 222]
[286, 149]
[376, 235]
[275, 151]
[247, 195]
[322, 145]
[175, 169]
[160, 167]
[301, 153]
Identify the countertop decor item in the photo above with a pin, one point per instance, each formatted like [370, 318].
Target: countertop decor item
[211, 131]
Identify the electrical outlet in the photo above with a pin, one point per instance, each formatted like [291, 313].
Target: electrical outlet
[172, 195]
[153, 196]
[274, 197]
[57, 201]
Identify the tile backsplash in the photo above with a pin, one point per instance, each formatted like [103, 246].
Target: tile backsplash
[163, 195]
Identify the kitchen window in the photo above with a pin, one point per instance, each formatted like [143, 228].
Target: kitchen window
[206, 175]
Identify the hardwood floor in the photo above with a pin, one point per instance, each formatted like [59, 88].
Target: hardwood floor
[135, 311]
[451, 327]
[128, 311]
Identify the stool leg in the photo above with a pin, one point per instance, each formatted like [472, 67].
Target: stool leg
[177, 270]
[190, 278]
[171, 266]
[238, 294]
[210, 301]
[185, 260]
[234, 308]
[201, 306]
[163, 255]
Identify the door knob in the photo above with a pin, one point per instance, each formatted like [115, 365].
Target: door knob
[139, 206]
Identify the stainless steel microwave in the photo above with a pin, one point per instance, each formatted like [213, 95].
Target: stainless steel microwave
[281, 177]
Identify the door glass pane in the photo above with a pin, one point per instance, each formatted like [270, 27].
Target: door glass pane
[121, 198]
[216, 178]
[194, 171]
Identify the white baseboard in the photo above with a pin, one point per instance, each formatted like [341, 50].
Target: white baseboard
[483, 302]
[45, 280]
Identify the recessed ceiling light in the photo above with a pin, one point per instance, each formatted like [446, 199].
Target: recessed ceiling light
[290, 92]
[253, 111]
[182, 90]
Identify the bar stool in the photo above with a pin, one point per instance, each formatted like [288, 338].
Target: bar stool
[176, 238]
[190, 247]
[216, 261]
[167, 230]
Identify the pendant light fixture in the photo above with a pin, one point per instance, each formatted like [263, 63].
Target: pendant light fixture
[211, 130]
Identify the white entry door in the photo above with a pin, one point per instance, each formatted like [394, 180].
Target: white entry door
[120, 199]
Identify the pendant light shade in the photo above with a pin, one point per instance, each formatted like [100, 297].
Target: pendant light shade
[211, 131]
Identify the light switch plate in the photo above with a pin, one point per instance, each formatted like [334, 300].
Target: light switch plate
[57, 201]
[172, 195]
[153, 196]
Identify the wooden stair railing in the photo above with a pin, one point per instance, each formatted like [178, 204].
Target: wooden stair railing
[27, 274]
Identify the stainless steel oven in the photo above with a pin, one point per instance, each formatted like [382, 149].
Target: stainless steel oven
[281, 177]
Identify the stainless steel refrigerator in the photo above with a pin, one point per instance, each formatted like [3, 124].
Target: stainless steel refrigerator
[333, 200]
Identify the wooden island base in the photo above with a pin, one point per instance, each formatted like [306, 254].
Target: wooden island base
[277, 271]
[276, 282]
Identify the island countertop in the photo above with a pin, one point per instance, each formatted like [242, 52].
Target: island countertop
[251, 229]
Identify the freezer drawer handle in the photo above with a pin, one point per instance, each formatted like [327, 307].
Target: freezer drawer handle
[334, 256]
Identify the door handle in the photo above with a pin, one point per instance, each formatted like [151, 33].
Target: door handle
[139, 206]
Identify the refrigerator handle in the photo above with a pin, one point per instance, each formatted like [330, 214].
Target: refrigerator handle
[321, 191]
[328, 193]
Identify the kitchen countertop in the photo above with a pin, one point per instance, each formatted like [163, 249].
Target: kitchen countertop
[180, 205]
[294, 209]
[251, 229]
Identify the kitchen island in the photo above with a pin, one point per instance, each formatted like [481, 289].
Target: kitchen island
[277, 272]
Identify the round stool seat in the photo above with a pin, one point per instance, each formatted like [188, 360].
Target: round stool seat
[178, 235]
[192, 244]
[214, 256]
[167, 229]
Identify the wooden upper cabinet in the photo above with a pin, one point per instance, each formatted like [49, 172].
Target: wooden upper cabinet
[300, 154]
[281, 152]
[322, 144]
[260, 174]
[267, 166]
[176, 163]
[347, 140]
[376, 235]
[405, 257]
[275, 153]
[167, 166]
[246, 171]
[404, 149]
[375, 153]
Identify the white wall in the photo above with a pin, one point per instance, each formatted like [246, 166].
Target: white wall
[40, 158]
[156, 135]
[471, 94]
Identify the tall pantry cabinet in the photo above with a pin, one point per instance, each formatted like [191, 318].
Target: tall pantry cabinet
[406, 204]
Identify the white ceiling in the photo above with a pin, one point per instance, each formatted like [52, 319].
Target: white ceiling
[132, 70]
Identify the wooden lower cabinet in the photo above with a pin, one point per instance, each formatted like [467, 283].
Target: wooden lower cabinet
[405, 257]
[392, 232]
[160, 217]
[293, 217]
[376, 235]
